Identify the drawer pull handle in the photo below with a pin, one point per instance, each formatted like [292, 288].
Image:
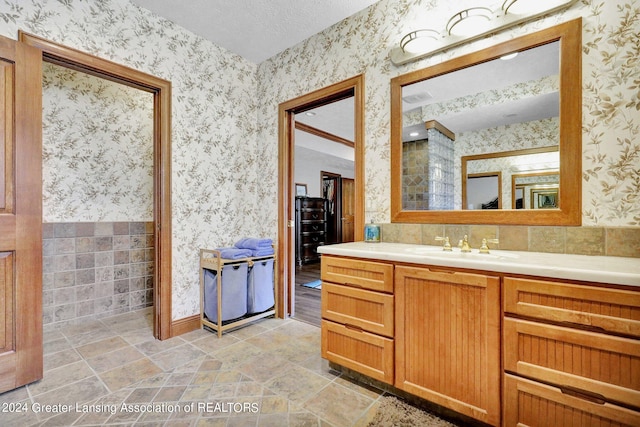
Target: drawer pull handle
[438, 270]
[582, 326]
[353, 327]
[355, 285]
[582, 394]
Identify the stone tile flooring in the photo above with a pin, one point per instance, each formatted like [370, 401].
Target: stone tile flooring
[113, 372]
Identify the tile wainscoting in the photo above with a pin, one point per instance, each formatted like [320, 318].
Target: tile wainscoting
[610, 241]
[93, 270]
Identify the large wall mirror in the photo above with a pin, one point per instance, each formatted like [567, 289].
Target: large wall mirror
[492, 137]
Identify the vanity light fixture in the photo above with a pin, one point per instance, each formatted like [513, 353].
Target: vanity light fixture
[524, 7]
[419, 41]
[470, 21]
[509, 56]
[471, 24]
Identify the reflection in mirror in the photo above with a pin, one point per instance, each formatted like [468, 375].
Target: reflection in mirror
[483, 190]
[507, 165]
[494, 113]
[522, 186]
[495, 106]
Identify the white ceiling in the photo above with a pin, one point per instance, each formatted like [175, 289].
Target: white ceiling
[529, 65]
[255, 29]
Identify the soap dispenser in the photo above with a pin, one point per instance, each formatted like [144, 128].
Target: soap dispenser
[372, 233]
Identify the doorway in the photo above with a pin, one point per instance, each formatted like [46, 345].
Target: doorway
[161, 90]
[351, 88]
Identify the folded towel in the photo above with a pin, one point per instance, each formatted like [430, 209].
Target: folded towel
[253, 243]
[234, 253]
[262, 252]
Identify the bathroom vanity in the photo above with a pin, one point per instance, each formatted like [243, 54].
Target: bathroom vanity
[506, 338]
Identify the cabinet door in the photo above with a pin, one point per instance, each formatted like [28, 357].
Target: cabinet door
[448, 339]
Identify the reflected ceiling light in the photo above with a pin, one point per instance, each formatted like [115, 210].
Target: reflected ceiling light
[509, 56]
[310, 113]
[419, 41]
[523, 7]
[472, 24]
[469, 21]
[414, 134]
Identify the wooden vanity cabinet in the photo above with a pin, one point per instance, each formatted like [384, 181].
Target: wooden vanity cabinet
[571, 354]
[510, 351]
[448, 339]
[358, 315]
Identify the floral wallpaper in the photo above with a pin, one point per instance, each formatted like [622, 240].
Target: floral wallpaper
[361, 44]
[215, 154]
[224, 109]
[97, 156]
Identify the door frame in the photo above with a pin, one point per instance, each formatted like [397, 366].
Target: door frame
[161, 89]
[286, 194]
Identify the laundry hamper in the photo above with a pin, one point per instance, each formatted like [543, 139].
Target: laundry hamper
[234, 292]
[260, 295]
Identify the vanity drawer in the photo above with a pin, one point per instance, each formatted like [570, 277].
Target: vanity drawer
[598, 308]
[529, 403]
[375, 276]
[605, 365]
[356, 349]
[370, 311]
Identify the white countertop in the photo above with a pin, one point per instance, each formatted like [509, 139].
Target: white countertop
[601, 269]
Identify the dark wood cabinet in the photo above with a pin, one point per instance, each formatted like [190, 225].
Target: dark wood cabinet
[311, 228]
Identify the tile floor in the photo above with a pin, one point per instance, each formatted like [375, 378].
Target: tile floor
[112, 371]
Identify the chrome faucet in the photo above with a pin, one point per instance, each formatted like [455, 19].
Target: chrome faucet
[464, 244]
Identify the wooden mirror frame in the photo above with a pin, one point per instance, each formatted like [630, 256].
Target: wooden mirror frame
[569, 211]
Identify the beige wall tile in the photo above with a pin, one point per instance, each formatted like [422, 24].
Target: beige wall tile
[623, 241]
[513, 238]
[430, 232]
[585, 240]
[547, 239]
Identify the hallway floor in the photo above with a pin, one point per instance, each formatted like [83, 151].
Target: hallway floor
[267, 374]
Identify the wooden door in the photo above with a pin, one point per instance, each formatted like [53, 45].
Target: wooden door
[348, 209]
[20, 214]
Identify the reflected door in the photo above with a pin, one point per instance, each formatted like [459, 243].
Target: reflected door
[20, 214]
[348, 209]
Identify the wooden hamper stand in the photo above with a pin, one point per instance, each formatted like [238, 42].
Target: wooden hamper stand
[211, 259]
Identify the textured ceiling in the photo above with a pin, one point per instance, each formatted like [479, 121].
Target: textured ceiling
[255, 29]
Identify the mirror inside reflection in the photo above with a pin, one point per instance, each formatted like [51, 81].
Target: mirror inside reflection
[493, 136]
[497, 180]
[506, 104]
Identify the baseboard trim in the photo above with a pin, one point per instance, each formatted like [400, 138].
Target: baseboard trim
[184, 325]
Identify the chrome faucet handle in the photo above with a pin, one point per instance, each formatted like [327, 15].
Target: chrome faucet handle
[447, 244]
